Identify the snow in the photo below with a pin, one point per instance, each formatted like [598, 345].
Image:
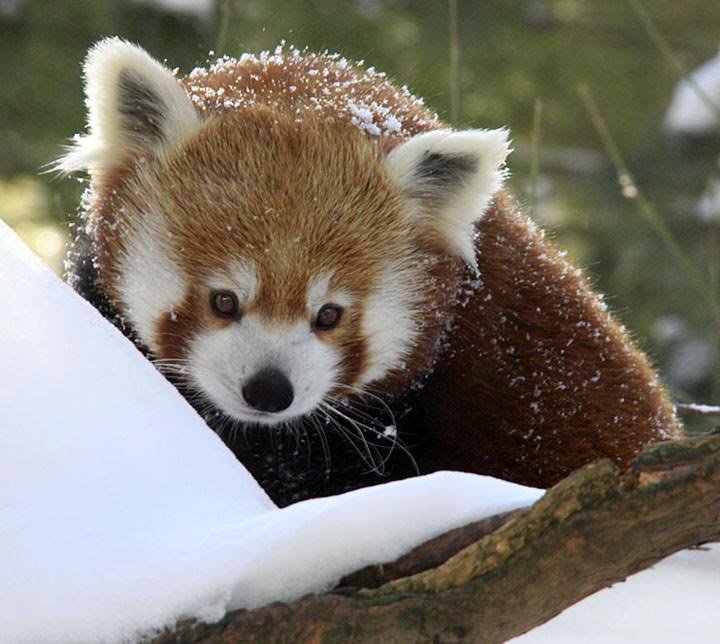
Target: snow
[690, 362]
[669, 328]
[201, 9]
[689, 112]
[678, 600]
[326, 84]
[702, 409]
[363, 117]
[121, 512]
[708, 205]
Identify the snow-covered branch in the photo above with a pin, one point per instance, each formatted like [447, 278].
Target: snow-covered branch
[691, 409]
[593, 529]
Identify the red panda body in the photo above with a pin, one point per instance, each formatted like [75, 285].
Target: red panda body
[304, 249]
[538, 372]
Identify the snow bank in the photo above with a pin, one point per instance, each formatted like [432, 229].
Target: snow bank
[678, 600]
[707, 207]
[121, 512]
[691, 111]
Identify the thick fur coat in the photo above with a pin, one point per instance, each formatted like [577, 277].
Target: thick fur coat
[295, 225]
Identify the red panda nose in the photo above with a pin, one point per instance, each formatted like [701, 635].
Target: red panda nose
[268, 390]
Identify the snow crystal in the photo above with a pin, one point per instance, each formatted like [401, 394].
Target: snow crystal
[392, 123]
[340, 89]
[122, 512]
[363, 117]
[390, 431]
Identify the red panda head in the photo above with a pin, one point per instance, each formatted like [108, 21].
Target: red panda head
[275, 253]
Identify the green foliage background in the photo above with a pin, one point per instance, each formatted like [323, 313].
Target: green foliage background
[513, 52]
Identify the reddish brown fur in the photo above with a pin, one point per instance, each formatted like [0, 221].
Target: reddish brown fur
[535, 334]
[285, 219]
[538, 378]
[294, 83]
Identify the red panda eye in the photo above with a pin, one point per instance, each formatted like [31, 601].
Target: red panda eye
[328, 317]
[224, 304]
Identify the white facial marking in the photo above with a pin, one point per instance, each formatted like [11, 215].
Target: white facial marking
[390, 322]
[151, 284]
[319, 293]
[222, 361]
[241, 277]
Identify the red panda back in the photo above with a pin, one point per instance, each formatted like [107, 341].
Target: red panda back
[539, 379]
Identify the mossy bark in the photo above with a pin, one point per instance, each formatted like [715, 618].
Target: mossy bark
[500, 577]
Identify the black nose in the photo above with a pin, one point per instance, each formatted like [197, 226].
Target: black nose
[268, 390]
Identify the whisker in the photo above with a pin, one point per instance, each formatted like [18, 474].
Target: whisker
[371, 454]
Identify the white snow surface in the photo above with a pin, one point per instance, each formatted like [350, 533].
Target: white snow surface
[707, 207]
[690, 111]
[703, 409]
[201, 9]
[676, 601]
[121, 512]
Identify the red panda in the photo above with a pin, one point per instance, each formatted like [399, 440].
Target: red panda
[328, 272]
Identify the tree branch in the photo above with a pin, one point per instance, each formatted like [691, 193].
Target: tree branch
[691, 409]
[591, 530]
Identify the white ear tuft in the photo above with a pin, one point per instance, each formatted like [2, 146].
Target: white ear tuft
[134, 103]
[451, 177]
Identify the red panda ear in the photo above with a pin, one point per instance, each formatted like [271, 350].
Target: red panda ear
[134, 103]
[449, 178]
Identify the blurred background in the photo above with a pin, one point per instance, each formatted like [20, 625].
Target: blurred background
[643, 218]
